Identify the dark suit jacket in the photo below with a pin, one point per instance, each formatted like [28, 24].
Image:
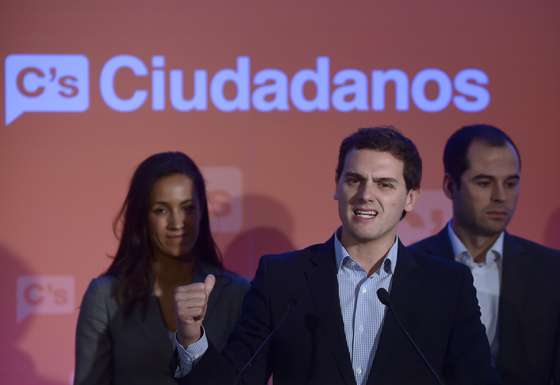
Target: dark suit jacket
[529, 309]
[115, 350]
[434, 298]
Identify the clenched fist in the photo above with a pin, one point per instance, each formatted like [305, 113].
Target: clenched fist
[190, 309]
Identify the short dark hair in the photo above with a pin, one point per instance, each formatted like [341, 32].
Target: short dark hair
[455, 161]
[132, 262]
[385, 139]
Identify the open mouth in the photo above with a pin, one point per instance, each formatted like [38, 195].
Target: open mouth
[366, 214]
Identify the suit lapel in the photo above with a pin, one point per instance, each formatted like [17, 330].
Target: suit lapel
[513, 295]
[403, 288]
[441, 245]
[323, 286]
[154, 327]
[202, 271]
[404, 280]
[515, 264]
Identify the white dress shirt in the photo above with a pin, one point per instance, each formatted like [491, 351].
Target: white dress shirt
[486, 278]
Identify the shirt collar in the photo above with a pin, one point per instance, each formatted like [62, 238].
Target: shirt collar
[342, 254]
[460, 251]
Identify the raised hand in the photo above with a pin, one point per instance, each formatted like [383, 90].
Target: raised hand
[190, 308]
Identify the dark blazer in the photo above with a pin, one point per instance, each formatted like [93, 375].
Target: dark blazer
[297, 292]
[529, 309]
[137, 350]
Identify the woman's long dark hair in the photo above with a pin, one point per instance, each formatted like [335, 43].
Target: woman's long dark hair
[131, 265]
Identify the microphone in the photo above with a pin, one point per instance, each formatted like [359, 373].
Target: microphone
[291, 305]
[384, 298]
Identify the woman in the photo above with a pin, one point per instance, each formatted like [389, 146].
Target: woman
[125, 332]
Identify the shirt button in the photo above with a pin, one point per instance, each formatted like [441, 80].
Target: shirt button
[359, 371]
[361, 329]
[364, 290]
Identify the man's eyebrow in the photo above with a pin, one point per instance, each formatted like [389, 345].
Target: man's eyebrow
[385, 180]
[482, 176]
[486, 176]
[353, 174]
[356, 175]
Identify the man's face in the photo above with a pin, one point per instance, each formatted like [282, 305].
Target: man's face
[485, 201]
[371, 195]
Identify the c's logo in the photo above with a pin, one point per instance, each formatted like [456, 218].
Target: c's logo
[224, 188]
[45, 83]
[431, 213]
[44, 294]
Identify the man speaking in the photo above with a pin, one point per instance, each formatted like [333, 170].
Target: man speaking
[314, 316]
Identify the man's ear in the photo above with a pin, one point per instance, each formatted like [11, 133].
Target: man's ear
[449, 186]
[335, 195]
[411, 199]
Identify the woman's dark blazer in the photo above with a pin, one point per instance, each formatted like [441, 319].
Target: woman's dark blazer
[112, 349]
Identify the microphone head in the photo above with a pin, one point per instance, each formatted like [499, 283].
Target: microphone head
[383, 296]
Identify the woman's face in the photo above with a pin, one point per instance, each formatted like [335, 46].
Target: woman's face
[173, 217]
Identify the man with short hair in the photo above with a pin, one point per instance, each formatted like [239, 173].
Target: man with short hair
[516, 280]
[320, 306]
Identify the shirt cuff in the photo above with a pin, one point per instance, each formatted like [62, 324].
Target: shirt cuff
[190, 355]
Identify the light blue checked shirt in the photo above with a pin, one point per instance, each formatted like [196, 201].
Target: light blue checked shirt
[362, 312]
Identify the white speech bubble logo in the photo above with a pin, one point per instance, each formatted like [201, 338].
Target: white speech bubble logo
[44, 294]
[431, 213]
[45, 83]
[224, 187]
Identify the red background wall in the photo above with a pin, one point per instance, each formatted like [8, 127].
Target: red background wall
[271, 175]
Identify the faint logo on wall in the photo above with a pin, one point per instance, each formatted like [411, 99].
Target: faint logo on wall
[44, 294]
[224, 189]
[431, 213]
[45, 83]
